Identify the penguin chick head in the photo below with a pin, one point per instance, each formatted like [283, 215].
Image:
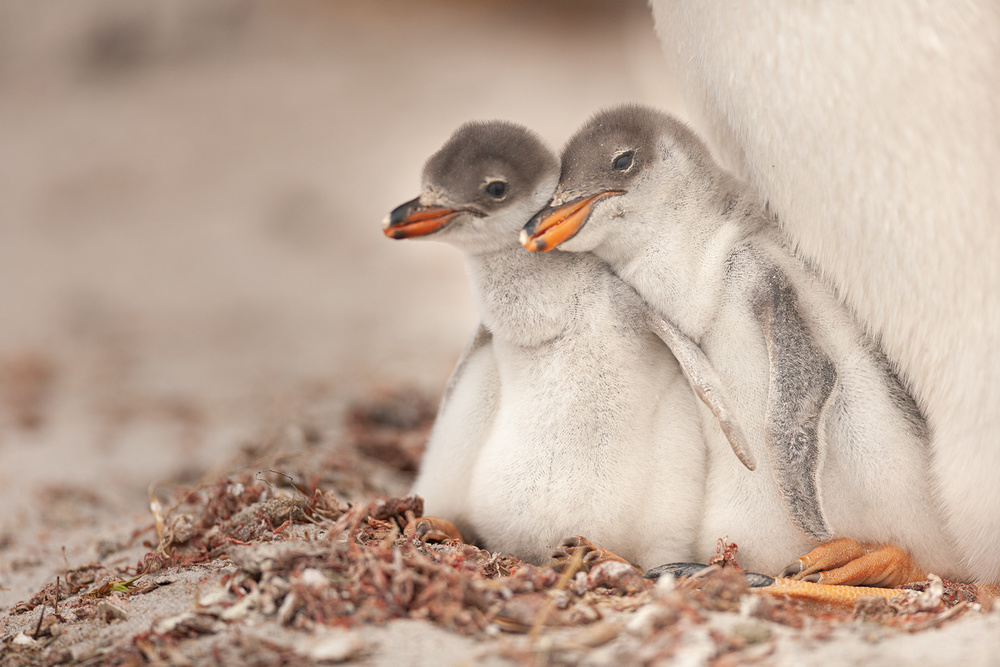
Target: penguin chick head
[479, 188]
[623, 160]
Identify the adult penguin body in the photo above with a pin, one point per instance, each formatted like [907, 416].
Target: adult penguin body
[873, 132]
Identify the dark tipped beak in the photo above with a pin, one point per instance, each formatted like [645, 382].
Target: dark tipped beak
[411, 219]
[556, 224]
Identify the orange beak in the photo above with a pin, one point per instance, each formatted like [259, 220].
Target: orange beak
[410, 219]
[552, 226]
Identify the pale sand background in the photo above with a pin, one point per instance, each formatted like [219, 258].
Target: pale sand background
[190, 206]
[190, 250]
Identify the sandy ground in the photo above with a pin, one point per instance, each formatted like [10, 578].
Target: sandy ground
[192, 271]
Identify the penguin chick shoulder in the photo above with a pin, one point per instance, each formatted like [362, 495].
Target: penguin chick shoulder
[848, 448]
[567, 414]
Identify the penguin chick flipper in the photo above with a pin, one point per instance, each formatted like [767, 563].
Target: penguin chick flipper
[479, 338]
[801, 379]
[705, 381]
[432, 529]
[591, 555]
[850, 563]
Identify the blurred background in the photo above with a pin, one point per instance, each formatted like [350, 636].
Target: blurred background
[190, 203]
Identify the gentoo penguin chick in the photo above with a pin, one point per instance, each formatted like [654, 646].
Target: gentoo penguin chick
[847, 446]
[567, 415]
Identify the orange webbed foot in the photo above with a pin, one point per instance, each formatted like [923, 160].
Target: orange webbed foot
[825, 595]
[591, 555]
[846, 562]
[432, 529]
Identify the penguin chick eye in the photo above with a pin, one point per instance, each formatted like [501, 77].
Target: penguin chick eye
[496, 189]
[623, 162]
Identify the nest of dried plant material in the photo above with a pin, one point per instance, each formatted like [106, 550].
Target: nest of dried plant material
[281, 570]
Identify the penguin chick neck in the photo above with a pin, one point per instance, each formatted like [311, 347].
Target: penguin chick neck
[678, 247]
[522, 297]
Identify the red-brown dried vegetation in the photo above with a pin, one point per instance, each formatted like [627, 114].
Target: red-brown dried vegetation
[305, 559]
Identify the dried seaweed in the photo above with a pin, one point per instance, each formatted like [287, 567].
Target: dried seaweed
[301, 557]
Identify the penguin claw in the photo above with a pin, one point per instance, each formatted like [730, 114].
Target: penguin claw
[792, 569]
[564, 552]
[432, 529]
